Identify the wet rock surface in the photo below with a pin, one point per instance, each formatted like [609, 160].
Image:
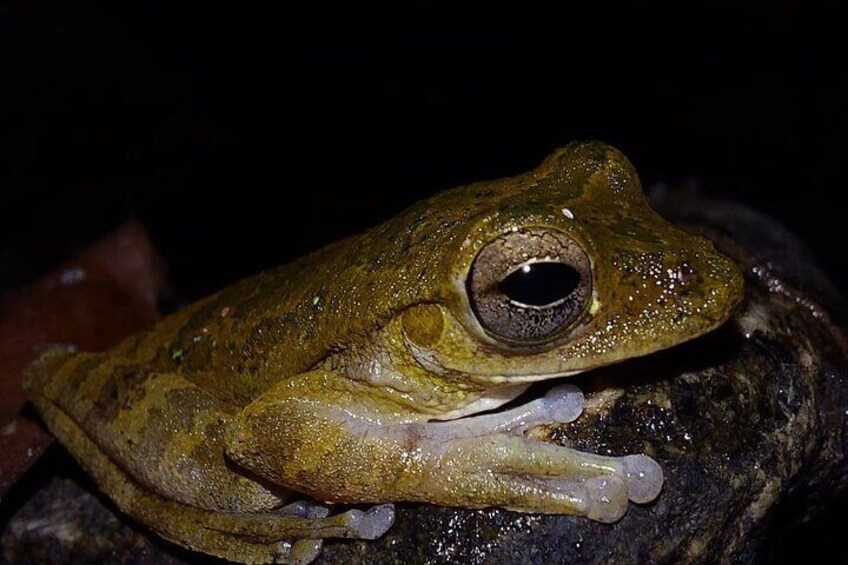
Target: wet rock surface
[750, 425]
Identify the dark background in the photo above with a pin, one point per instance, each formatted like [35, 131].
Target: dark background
[243, 135]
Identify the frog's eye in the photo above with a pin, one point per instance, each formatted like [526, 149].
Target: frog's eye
[529, 286]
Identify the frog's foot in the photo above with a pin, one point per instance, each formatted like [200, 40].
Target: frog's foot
[300, 552]
[602, 498]
[303, 551]
[291, 534]
[362, 524]
[490, 453]
[644, 478]
[369, 525]
[523, 474]
[303, 520]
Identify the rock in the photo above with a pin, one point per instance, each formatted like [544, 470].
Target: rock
[748, 423]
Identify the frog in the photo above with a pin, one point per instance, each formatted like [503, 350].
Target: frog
[387, 367]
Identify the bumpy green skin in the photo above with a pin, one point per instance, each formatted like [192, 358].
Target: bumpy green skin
[307, 377]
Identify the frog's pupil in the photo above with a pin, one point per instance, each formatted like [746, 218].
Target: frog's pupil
[540, 284]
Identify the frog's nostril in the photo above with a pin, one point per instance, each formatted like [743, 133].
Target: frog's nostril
[684, 272]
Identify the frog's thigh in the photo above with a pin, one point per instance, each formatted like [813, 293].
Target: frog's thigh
[169, 436]
[291, 534]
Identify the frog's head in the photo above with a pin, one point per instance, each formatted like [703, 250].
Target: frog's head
[565, 269]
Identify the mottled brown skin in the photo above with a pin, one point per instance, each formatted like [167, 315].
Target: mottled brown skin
[321, 376]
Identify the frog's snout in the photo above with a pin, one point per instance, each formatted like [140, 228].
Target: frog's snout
[676, 293]
[715, 276]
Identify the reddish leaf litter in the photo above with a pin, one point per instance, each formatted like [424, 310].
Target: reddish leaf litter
[105, 293]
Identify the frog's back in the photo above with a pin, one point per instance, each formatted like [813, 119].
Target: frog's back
[238, 342]
[286, 320]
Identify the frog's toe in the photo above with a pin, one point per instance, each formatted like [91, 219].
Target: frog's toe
[317, 511]
[372, 523]
[305, 509]
[297, 508]
[564, 403]
[304, 551]
[606, 498]
[644, 478]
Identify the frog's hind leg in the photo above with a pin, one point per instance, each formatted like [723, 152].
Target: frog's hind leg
[291, 534]
[162, 429]
[181, 485]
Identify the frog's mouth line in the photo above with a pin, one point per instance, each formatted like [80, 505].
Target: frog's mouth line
[427, 359]
[700, 352]
[623, 355]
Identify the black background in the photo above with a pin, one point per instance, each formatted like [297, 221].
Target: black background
[245, 134]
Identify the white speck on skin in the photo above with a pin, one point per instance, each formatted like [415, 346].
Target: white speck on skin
[568, 213]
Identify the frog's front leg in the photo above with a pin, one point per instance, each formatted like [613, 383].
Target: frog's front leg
[337, 446]
[640, 474]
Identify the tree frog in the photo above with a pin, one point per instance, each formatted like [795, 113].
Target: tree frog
[378, 369]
